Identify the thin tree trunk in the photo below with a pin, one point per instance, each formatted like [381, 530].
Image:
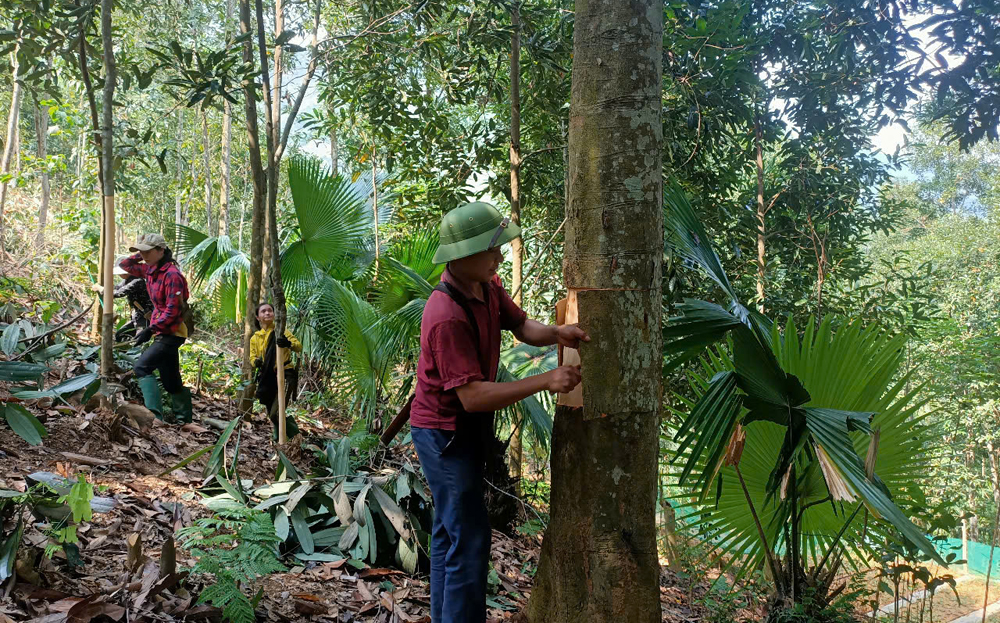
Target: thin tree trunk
[179, 177]
[227, 161]
[375, 208]
[259, 191]
[211, 221]
[17, 149]
[11, 138]
[517, 249]
[516, 246]
[95, 123]
[107, 155]
[334, 152]
[276, 85]
[81, 152]
[761, 213]
[599, 559]
[227, 137]
[41, 135]
[273, 141]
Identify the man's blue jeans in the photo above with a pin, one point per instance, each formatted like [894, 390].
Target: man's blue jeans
[460, 538]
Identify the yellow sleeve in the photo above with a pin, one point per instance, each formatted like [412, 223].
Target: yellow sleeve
[296, 344]
[256, 346]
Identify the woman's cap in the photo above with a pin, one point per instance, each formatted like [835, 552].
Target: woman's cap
[148, 242]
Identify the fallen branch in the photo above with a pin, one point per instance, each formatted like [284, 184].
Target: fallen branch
[214, 423]
[59, 328]
[85, 460]
[40, 339]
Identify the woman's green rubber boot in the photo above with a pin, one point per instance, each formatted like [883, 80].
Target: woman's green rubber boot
[181, 403]
[151, 397]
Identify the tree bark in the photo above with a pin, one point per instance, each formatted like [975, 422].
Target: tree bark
[334, 152]
[95, 123]
[516, 246]
[227, 138]
[179, 177]
[761, 213]
[517, 249]
[211, 221]
[279, 26]
[107, 156]
[375, 208]
[41, 135]
[599, 559]
[259, 191]
[272, 110]
[11, 138]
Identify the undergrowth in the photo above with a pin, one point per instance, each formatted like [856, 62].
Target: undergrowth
[237, 547]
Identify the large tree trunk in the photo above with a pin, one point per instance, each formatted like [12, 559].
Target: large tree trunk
[516, 246]
[41, 135]
[10, 138]
[211, 221]
[107, 156]
[599, 560]
[259, 191]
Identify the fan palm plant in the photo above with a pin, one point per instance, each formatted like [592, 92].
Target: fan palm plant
[786, 419]
[366, 321]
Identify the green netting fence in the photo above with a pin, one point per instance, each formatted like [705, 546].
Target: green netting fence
[979, 555]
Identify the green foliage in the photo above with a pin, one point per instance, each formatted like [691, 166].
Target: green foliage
[66, 511]
[806, 410]
[24, 423]
[79, 499]
[348, 513]
[237, 547]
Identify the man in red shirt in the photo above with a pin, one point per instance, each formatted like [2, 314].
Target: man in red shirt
[457, 394]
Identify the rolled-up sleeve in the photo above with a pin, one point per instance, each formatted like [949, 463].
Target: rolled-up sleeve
[133, 265]
[455, 355]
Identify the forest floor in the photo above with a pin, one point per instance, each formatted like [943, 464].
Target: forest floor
[117, 576]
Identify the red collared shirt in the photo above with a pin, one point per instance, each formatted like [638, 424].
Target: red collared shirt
[167, 290]
[448, 357]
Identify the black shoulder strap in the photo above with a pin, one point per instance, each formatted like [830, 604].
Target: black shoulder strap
[463, 302]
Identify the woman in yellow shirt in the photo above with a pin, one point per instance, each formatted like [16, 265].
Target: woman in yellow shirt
[263, 354]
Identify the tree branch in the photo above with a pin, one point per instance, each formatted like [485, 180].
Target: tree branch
[280, 147]
[538, 151]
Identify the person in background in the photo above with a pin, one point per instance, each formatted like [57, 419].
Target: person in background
[133, 289]
[168, 291]
[452, 414]
[263, 355]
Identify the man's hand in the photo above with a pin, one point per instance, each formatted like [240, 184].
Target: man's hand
[96, 287]
[283, 342]
[144, 336]
[563, 379]
[570, 335]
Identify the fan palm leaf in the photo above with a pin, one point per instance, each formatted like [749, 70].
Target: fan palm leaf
[762, 390]
[836, 389]
[331, 225]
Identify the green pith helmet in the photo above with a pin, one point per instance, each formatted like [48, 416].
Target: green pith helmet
[473, 228]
